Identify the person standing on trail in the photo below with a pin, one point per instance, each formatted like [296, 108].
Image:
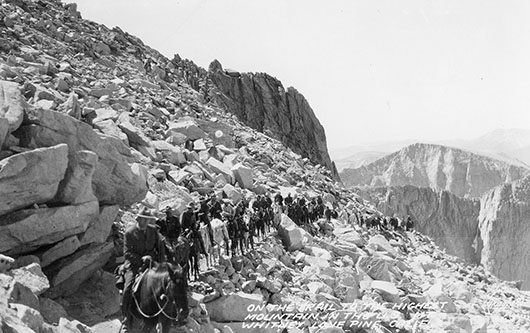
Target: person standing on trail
[328, 213]
[142, 244]
[409, 225]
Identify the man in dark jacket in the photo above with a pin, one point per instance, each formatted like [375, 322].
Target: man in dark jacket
[188, 219]
[288, 200]
[173, 225]
[142, 243]
[215, 208]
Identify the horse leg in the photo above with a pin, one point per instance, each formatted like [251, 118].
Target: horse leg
[196, 266]
[165, 325]
[251, 239]
[190, 266]
[242, 242]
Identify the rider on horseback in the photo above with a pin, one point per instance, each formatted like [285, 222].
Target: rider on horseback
[142, 243]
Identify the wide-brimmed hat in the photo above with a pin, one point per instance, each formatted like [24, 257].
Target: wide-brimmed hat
[146, 213]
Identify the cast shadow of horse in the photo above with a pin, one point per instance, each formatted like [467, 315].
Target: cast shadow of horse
[160, 298]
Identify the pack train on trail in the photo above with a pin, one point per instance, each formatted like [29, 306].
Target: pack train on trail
[173, 247]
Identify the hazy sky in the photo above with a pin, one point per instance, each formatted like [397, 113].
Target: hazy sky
[371, 70]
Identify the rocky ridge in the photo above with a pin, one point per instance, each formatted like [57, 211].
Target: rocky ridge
[93, 121]
[444, 169]
[491, 231]
[260, 101]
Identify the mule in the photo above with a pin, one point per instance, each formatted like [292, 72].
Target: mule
[220, 236]
[196, 248]
[179, 254]
[160, 298]
[204, 233]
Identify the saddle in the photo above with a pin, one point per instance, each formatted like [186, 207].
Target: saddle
[119, 276]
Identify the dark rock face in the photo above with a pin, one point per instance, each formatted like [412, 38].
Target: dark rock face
[504, 231]
[442, 168]
[261, 102]
[492, 231]
[450, 221]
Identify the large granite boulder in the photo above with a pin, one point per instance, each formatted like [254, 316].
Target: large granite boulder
[76, 186]
[115, 180]
[99, 229]
[4, 130]
[243, 175]
[236, 307]
[32, 277]
[62, 249]
[31, 177]
[67, 274]
[292, 236]
[11, 104]
[25, 230]
[188, 127]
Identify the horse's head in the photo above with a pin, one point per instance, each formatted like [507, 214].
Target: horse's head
[178, 289]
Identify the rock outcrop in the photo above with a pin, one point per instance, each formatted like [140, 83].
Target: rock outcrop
[26, 230]
[504, 231]
[261, 102]
[452, 222]
[444, 169]
[31, 177]
[116, 179]
[491, 231]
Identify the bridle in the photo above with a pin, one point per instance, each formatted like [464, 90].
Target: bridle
[161, 309]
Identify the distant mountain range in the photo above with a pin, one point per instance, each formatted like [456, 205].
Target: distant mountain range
[460, 172]
[508, 145]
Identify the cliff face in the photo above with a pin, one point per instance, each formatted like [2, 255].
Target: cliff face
[444, 169]
[504, 230]
[492, 231]
[261, 102]
[451, 221]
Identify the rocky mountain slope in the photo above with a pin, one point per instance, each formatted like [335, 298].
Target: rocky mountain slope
[261, 102]
[93, 122]
[424, 165]
[491, 231]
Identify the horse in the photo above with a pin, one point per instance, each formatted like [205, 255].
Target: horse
[268, 216]
[160, 298]
[250, 230]
[236, 230]
[220, 235]
[196, 247]
[277, 210]
[257, 221]
[208, 248]
[179, 254]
